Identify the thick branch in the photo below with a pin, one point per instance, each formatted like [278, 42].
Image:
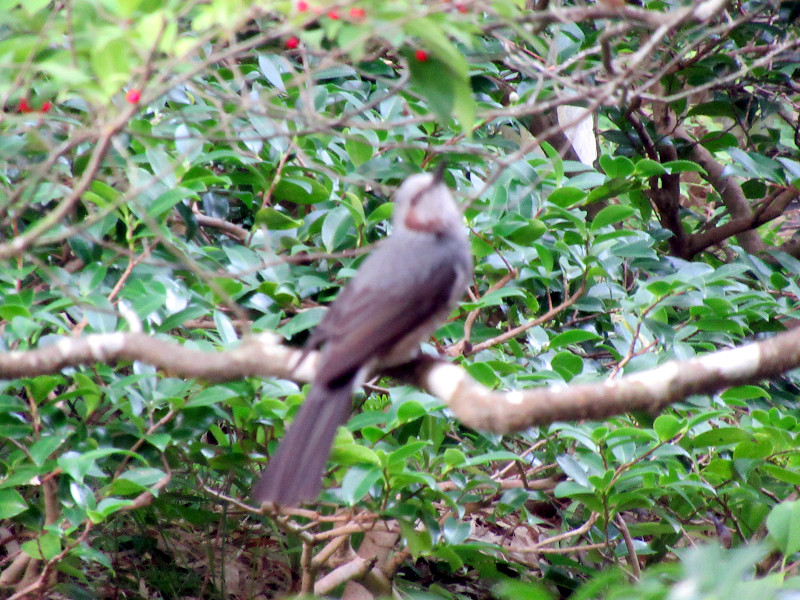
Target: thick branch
[665, 191]
[257, 356]
[729, 190]
[473, 404]
[545, 127]
[232, 230]
[775, 208]
[503, 412]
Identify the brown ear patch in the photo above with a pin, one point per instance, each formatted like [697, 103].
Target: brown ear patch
[432, 225]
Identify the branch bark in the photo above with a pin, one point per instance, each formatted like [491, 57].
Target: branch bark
[652, 390]
[475, 405]
[729, 190]
[773, 209]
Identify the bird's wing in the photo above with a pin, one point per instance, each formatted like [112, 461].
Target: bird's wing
[368, 319]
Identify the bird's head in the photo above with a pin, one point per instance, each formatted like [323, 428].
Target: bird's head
[424, 203]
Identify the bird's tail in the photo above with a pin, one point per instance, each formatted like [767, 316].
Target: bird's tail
[294, 474]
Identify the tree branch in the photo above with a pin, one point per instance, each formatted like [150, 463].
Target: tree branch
[773, 209]
[728, 189]
[652, 390]
[473, 404]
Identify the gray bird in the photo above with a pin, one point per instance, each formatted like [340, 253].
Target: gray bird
[399, 296]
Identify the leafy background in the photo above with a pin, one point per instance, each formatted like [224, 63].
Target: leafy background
[203, 170]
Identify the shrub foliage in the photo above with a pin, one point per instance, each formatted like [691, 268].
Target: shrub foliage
[202, 171]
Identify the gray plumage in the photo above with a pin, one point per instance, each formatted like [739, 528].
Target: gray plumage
[398, 297]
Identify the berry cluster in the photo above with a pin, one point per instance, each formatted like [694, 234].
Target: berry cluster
[25, 107]
[356, 14]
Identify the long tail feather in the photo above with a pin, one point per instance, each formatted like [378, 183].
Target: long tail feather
[294, 474]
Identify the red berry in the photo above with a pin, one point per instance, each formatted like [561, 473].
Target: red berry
[333, 15]
[133, 96]
[292, 43]
[24, 107]
[46, 106]
[462, 8]
[302, 6]
[421, 55]
[358, 13]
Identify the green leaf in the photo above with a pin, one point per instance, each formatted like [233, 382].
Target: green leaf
[522, 590]
[667, 427]
[107, 507]
[443, 78]
[567, 364]
[268, 65]
[356, 208]
[611, 189]
[358, 149]
[410, 410]
[488, 457]
[531, 231]
[77, 465]
[495, 298]
[337, 225]
[159, 440]
[716, 108]
[122, 8]
[11, 503]
[418, 543]
[9, 311]
[616, 167]
[723, 436]
[407, 451]
[566, 196]
[783, 524]
[382, 213]
[448, 555]
[757, 165]
[573, 469]
[350, 453]
[211, 396]
[782, 474]
[483, 374]
[649, 168]
[302, 321]
[44, 447]
[555, 160]
[275, 220]
[169, 199]
[573, 336]
[683, 166]
[358, 481]
[300, 190]
[225, 328]
[716, 141]
[45, 547]
[143, 477]
[610, 215]
[111, 62]
[454, 457]
[188, 143]
[455, 531]
[744, 392]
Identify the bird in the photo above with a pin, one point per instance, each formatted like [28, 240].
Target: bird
[399, 296]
